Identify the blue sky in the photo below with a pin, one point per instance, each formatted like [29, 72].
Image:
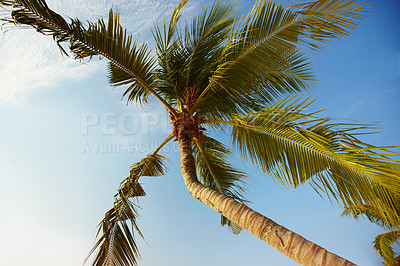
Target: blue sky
[57, 180]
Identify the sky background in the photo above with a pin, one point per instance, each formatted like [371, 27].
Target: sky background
[61, 124]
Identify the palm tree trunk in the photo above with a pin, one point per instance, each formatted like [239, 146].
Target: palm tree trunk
[285, 241]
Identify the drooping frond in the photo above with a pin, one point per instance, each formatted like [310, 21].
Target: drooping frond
[259, 61]
[152, 165]
[116, 244]
[296, 147]
[384, 245]
[215, 172]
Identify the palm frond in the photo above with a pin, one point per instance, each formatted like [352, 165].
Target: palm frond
[130, 63]
[152, 165]
[205, 40]
[296, 147]
[193, 55]
[241, 97]
[116, 244]
[170, 54]
[324, 20]
[259, 58]
[164, 38]
[215, 172]
[384, 245]
[39, 16]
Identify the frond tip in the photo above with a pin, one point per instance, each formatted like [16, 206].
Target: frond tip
[384, 244]
[117, 245]
[151, 165]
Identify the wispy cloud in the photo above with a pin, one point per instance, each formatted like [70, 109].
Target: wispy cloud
[29, 62]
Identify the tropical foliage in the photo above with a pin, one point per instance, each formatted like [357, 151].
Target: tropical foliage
[227, 73]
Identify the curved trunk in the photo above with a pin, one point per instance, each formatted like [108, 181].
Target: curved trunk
[285, 241]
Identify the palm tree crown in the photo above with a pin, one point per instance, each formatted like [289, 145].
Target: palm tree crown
[227, 73]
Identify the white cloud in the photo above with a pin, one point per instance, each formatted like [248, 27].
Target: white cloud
[29, 62]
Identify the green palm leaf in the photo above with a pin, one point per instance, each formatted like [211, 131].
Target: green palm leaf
[130, 64]
[167, 45]
[242, 97]
[116, 244]
[384, 244]
[296, 147]
[164, 38]
[191, 57]
[259, 49]
[258, 59]
[204, 40]
[215, 172]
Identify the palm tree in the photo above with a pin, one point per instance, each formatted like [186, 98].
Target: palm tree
[225, 73]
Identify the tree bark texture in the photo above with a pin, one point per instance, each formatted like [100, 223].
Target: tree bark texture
[284, 240]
